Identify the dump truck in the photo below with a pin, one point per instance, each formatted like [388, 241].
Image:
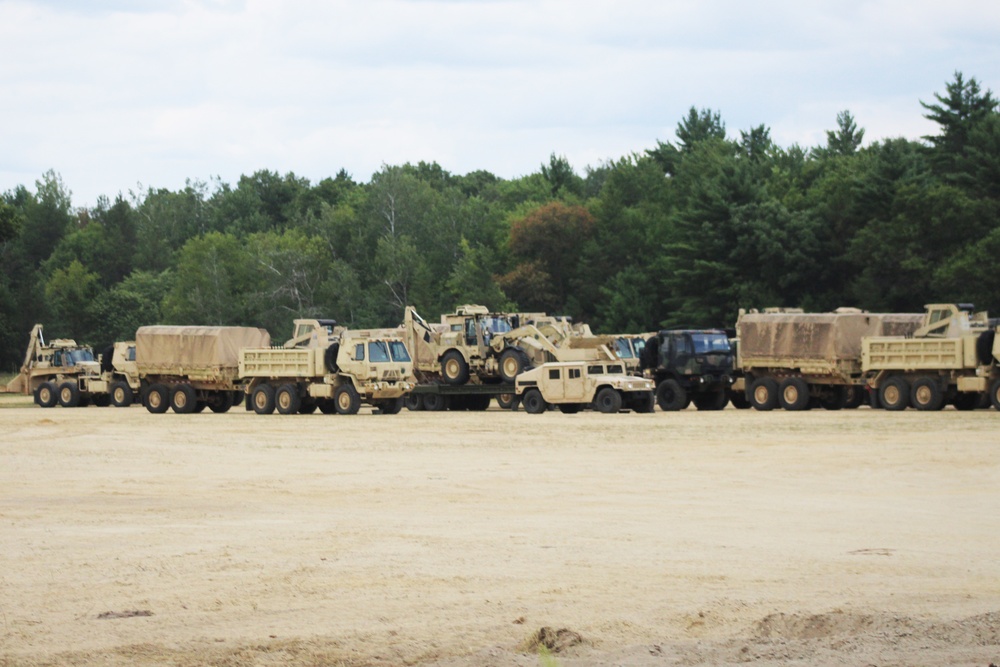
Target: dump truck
[189, 368]
[689, 365]
[573, 386]
[953, 357]
[797, 360]
[329, 368]
[59, 372]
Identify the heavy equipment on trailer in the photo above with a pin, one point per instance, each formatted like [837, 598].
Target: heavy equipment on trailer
[796, 360]
[953, 357]
[329, 368]
[689, 365]
[189, 368]
[575, 385]
[56, 373]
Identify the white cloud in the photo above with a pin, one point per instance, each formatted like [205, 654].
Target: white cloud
[113, 93]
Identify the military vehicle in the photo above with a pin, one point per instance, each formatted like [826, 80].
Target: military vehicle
[57, 373]
[328, 368]
[952, 357]
[189, 368]
[574, 385]
[797, 360]
[689, 365]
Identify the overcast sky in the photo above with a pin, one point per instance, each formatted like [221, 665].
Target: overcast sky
[112, 94]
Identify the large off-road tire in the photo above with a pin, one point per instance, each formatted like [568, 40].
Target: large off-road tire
[121, 394]
[435, 402]
[608, 401]
[184, 399]
[711, 400]
[326, 406]
[834, 397]
[894, 394]
[643, 402]
[739, 400]
[286, 399]
[533, 402]
[926, 394]
[390, 406]
[513, 362]
[454, 368]
[157, 400]
[347, 400]
[479, 402]
[262, 399]
[100, 400]
[414, 402]
[855, 397]
[966, 401]
[670, 396]
[222, 401]
[764, 394]
[506, 401]
[46, 395]
[995, 394]
[793, 394]
[69, 394]
[330, 358]
[307, 406]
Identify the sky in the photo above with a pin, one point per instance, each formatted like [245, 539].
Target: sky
[119, 96]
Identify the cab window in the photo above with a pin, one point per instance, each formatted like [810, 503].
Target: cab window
[615, 369]
[553, 373]
[595, 370]
[398, 351]
[359, 352]
[377, 352]
[574, 373]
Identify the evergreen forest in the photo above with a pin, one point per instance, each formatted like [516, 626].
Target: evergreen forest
[683, 233]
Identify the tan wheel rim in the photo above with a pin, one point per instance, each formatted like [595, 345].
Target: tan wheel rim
[284, 400]
[259, 400]
[451, 368]
[760, 394]
[154, 399]
[119, 395]
[65, 394]
[892, 394]
[510, 366]
[344, 401]
[923, 395]
[45, 395]
[791, 394]
[180, 399]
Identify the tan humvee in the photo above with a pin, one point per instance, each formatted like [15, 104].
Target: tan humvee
[574, 385]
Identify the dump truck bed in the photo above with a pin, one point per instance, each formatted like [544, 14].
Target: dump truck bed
[914, 354]
[277, 362]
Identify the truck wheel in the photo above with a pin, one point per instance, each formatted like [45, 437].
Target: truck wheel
[764, 394]
[834, 398]
[712, 400]
[157, 399]
[506, 401]
[479, 402]
[121, 394]
[995, 394]
[454, 368]
[608, 401]
[391, 406]
[222, 401]
[739, 400]
[533, 402]
[855, 397]
[670, 396]
[347, 400]
[330, 358]
[793, 394]
[100, 400]
[69, 395]
[926, 395]
[513, 362]
[307, 406]
[966, 400]
[414, 402]
[435, 402]
[894, 394]
[183, 399]
[643, 402]
[46, 396]
[326, 406]
[287, 400]
[263, 399]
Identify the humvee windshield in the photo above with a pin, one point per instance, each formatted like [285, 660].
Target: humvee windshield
[709, 343]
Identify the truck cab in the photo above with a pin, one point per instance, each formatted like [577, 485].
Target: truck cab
[689, 364]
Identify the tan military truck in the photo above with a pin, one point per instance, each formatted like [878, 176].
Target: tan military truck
[59, 372]
[952, 358]
[795, 360]
[575, 385]
[189, 368]
[328, 368]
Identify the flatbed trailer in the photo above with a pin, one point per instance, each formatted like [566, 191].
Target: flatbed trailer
[435, 396]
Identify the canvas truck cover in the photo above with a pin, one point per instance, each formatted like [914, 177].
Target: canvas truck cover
[168, 350]
[821, 336]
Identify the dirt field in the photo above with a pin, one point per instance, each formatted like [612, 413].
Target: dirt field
[834, 538]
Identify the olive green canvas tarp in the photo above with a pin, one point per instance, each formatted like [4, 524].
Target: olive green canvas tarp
[826, 336]
[183, 349]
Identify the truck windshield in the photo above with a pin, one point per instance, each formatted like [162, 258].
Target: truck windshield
[377, 351]
[497, 325]
[624, 349]
[638, 344]
[709, 343]
[76, 356]
[398, 351]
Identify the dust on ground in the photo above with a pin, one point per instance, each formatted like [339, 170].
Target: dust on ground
[445, 539]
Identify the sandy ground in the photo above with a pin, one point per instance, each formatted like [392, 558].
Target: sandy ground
[837, 538]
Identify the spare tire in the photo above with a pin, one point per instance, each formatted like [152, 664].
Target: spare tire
[330, 358]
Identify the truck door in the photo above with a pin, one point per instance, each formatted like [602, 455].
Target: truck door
[573, 382]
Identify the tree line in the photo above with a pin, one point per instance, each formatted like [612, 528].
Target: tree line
[681, 234]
